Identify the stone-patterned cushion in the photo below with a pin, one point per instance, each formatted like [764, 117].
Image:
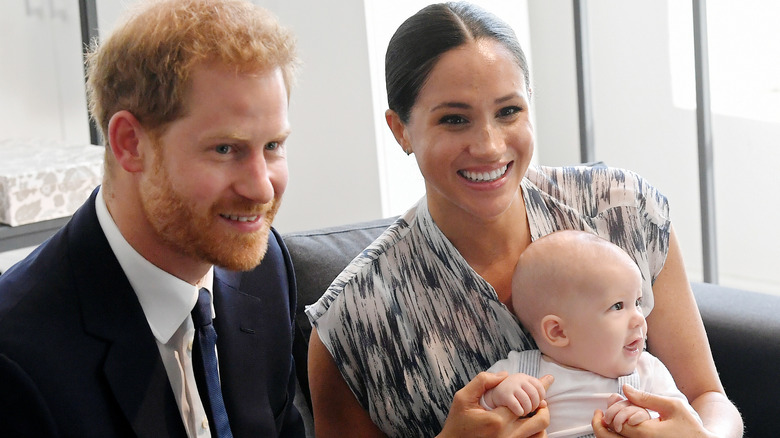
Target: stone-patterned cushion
[42, 180]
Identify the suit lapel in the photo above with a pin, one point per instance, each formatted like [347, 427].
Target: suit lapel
[254, 331]
[111, 311]
[238, 338]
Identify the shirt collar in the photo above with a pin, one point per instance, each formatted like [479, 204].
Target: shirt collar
[166, 300]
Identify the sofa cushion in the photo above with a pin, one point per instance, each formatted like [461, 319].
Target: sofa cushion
[318, 257]
[743, 328]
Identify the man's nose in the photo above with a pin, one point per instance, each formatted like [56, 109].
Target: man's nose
[253, 181]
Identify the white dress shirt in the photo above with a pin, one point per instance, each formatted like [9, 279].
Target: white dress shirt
[166, 302]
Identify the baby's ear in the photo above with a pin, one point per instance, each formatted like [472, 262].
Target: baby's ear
[553, 332]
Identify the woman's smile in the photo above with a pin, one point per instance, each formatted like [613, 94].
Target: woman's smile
[488, 176]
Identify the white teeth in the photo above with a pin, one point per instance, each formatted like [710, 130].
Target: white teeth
[240, 218]
[484, 176]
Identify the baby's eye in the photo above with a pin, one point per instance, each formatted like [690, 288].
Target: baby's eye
[617, 306]
[453, 120]
[223, 149]
[639, 302]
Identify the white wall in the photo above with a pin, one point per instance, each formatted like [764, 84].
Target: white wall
[42, 75]
[332, 154]
[554, 82]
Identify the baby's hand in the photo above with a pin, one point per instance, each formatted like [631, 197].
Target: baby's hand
[519, 392]
[621, 411]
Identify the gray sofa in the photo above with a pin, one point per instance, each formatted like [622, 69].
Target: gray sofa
[743, 327]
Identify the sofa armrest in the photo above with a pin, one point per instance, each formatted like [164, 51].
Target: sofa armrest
[744, 332]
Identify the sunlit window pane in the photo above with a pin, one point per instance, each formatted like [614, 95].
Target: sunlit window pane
[744, 57]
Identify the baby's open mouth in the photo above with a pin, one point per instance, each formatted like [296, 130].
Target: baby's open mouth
[634, 346]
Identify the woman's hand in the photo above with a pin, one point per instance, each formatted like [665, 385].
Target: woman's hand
[675, 418]
[468, 418]
[621, 411]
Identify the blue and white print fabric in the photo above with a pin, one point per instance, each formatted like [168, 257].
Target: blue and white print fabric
[409, 322]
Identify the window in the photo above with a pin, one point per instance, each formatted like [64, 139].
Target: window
[744, 58]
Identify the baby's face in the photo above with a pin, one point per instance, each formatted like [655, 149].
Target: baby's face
[606, 326]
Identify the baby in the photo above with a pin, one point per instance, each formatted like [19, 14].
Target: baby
[580, 298]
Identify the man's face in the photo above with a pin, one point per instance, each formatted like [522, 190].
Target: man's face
[219, 172]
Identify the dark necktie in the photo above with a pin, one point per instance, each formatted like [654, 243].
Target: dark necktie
[204, 363]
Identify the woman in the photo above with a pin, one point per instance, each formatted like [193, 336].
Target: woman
[427, 307]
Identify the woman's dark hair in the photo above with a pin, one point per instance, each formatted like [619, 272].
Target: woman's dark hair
[420, 41]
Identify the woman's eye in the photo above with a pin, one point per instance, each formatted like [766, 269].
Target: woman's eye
[224, 149]
[509, 111]
[453, 120]
[617, 306]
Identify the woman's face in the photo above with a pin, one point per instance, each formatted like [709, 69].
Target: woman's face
[470, 131]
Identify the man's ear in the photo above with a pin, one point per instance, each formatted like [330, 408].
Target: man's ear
[552, 330]
[125, 137]
[399, 130]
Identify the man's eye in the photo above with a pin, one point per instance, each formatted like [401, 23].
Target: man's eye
[224, 149]
[272, 146]
[617, 306]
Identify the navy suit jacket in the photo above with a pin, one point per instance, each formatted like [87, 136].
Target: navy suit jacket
[77, 357]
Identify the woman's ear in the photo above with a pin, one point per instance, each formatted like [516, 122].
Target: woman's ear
[399, 130]
[553, 331]
[125, 135]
